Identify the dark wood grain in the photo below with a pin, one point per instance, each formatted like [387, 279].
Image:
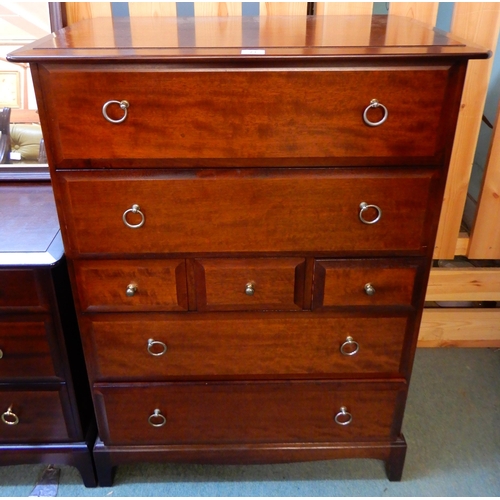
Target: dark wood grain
[252, 345]
[247, 211]
[232, 412]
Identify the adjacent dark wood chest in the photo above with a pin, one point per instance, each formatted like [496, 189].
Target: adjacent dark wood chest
[249, 225]
[45, 405]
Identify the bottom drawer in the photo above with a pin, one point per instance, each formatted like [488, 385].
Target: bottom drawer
[242, 412]
[32, 416]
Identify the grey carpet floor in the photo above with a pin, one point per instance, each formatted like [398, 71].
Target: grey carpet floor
[452, 426]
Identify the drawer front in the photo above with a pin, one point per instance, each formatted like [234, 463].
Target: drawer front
[177, 346]
[206, 115]
[24, 349]
[38, 413]
[132, 285]
[19, 290]
[239, 211]
[232, 412]
[374, 282]
[246, 284]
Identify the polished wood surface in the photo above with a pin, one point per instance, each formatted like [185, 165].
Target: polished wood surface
[158, 285]
[237, 162]
[315, 210]
[232, 412]
[252, 345]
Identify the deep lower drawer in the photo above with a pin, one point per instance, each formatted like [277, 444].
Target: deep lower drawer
[229, 114]
[32, 416]
[368, 282]
[132, 285]
[24, 348]
[180, 346]
[243, 412]
[315, 210]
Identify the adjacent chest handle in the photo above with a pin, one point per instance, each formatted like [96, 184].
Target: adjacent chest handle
[375, 104]
[9, 417]
[136, 209]
[363, 207]
[123, 105]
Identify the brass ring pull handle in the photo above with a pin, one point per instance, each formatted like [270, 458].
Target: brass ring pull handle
[350, 347]
[9, 417]
[156, 343]
[157, 419]
[123, 105]
[375, 104]
[136, 209]
[369, 289]
[131, 290]
[343, 417]
[363, 206]
[250, 288]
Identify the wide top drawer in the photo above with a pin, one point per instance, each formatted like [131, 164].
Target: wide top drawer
[121, 115]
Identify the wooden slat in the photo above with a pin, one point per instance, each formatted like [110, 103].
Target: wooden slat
[467, 327]
[421, 11]
[476, 22]
[153, 9]
[76, 11]
[485, 236]
[462, 246]
[283, 8]
[343, 8]
[464, 284]
[217, 8]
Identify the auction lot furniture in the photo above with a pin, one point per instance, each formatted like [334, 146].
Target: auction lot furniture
[46, 413]
[249, 208]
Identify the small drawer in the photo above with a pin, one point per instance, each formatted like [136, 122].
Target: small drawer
[245, 345]
[24, 349]
[259, 412]
[374, 282]
[132, 285]
[246, 284]
[19, 289]
[32, 416]
[237, 211]
[283, 115]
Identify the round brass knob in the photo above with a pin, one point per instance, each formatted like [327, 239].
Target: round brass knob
[350, 347]
[157, 419]
[343, 417]
[131, 290]
[250, 288]
[9, 417]
[369, 289]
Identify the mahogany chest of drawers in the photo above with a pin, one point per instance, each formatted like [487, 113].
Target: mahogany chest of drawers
[249, 208]
[46, 411]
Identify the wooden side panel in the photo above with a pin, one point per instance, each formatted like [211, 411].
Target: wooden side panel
[467, 327]
[76, 11]
[485, 237]
[478, 23]
[146, 9]
[217, 8]
[283, 8]
[421, 11]
[344, 8]
[464, 284]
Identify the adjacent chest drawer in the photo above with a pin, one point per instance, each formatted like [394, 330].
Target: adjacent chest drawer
[370, 282]
[176, 346]
[316, 210]
[20, 289]
[24, 349]
[132, 285]
[245, 284]
[32, 416]
[258, 412]
[286, 115]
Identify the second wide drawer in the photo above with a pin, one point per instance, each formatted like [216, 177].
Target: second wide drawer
[221, 345]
